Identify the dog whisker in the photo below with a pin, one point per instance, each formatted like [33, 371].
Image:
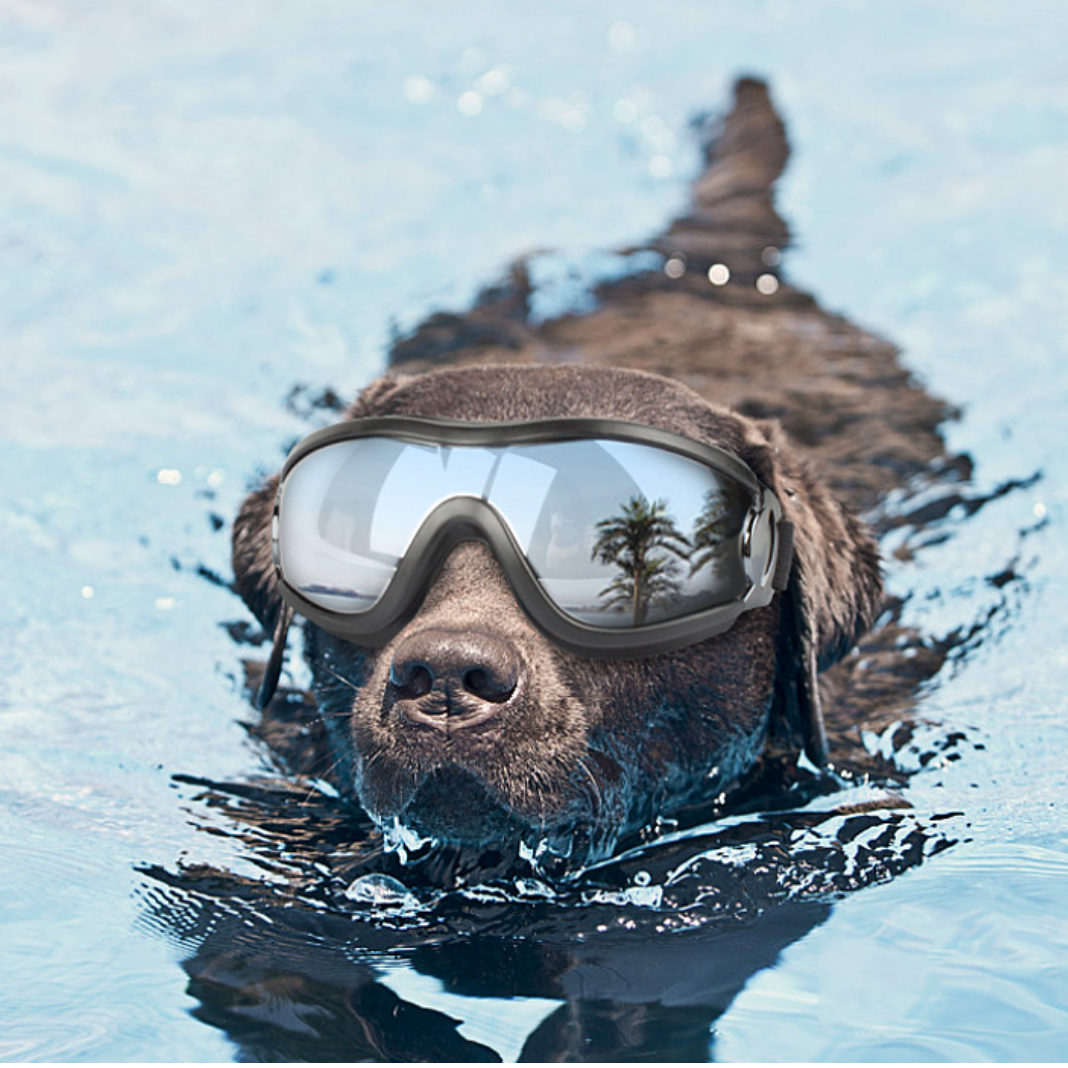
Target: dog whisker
[594, 793]
[348, 683]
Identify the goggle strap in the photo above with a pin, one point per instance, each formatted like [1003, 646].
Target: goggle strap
[784, 559]
[273, 670]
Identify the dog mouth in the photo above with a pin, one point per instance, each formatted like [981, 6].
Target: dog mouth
[468, 792]
[465, 738]
[454, 805]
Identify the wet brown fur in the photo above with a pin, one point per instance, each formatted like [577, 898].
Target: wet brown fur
[597, 747]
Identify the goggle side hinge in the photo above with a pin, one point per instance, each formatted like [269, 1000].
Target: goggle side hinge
[768, 543]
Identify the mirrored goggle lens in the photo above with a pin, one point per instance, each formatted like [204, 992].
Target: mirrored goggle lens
[619, 534]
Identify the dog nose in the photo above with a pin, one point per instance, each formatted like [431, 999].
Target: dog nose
[456, 666]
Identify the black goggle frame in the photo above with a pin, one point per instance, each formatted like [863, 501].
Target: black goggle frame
[766, 539]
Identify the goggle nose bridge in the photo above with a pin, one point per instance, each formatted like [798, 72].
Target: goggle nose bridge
[459, 518]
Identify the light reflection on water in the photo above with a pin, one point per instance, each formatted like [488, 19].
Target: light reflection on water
[195, 224]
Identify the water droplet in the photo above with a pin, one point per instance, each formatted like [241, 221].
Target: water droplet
[382, 890]
[719, 274]
[418, 89]
[470, 103]
[660, 166]
[493, 82]
[88, 593]
[767, 284]
[402, 840]
[675, 267]
[168, 476]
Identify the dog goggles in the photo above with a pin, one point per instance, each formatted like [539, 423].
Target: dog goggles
[619, 540]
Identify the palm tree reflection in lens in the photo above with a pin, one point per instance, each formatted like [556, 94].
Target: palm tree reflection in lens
[646, 546]
[711, 532]
[630, 542]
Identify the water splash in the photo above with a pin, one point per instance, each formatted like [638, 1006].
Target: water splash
[401, 840]
[381, 891]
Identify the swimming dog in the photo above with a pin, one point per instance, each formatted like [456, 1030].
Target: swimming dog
[469, 724]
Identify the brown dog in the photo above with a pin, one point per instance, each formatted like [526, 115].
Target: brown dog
[581, 751]
[586, 746]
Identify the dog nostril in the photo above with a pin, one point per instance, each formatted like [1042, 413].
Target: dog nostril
[489, 684]
[459, 665]
[411, 678]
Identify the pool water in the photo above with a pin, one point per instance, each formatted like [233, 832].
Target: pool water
[208, 218]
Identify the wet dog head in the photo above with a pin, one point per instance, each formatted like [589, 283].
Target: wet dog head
[471, 726]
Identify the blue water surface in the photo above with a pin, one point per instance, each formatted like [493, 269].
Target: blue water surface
[209, 212]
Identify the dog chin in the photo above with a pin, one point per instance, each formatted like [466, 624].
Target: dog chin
[453, 806]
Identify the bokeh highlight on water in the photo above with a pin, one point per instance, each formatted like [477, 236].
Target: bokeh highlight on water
[207, 217]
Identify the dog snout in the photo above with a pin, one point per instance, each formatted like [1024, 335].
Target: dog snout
[451, 676]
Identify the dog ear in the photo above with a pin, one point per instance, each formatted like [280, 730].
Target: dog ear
[833, 594]
[256, 582]
[251, 554]
[253, 562]
[253, 558]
